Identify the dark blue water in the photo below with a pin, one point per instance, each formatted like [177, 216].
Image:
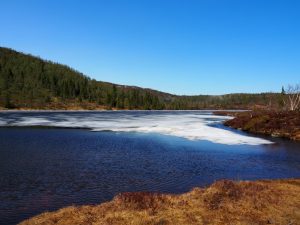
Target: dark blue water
[44, 169]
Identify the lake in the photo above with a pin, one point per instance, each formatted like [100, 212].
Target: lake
[49, 160]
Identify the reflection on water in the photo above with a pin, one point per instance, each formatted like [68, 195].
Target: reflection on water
[46, 169]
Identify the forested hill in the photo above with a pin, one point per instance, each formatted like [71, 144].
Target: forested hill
[32, 83]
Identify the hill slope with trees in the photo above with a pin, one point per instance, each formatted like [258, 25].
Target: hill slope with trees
[30, 82]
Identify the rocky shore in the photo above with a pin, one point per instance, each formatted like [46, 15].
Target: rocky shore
[224, 202]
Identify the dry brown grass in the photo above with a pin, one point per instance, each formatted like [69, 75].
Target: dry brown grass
[276, 123]
[224, 202]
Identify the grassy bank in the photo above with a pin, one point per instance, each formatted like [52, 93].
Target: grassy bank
[224, 202]
[275, 123]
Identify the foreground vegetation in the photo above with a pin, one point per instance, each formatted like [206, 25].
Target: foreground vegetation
[275, 123]
[224, 202]
[28, 82]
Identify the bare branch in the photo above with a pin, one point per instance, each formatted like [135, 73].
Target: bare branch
[292, 99]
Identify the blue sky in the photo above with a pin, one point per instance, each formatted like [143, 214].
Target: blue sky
[177, 46]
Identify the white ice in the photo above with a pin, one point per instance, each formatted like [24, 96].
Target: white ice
[189, 126]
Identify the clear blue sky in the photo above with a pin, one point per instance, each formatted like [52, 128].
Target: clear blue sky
[177, 46]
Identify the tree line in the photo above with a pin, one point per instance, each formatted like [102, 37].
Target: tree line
[27, 81]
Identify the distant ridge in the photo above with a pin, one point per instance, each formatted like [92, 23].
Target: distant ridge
[29, 82]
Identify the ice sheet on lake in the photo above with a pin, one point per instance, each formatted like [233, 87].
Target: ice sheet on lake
[2, 122]
[191, 126]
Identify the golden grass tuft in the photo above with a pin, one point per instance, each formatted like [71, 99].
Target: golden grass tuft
[140, 200]
[224, 202]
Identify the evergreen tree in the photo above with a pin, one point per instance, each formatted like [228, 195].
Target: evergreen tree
[282, 91]
[27, 81]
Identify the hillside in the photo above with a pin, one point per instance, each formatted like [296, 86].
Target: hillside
[29, 82]
[224, 202]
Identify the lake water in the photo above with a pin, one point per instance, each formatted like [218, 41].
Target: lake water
[46, 165]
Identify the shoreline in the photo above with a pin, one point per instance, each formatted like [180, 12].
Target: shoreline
[113, 110]
[282, 124]
[223, 202]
